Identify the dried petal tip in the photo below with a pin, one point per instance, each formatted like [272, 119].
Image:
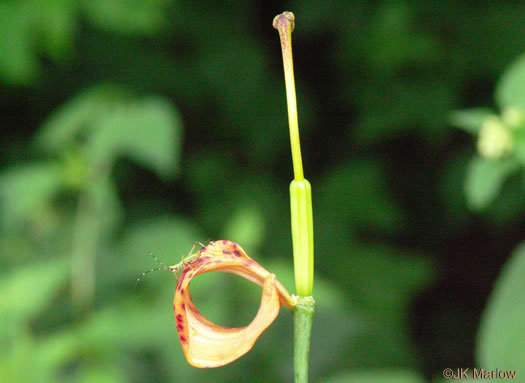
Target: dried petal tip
[285, 20]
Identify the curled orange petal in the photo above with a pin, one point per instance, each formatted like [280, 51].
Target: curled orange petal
[206, 344]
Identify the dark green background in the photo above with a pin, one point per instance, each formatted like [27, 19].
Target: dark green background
[403, 268]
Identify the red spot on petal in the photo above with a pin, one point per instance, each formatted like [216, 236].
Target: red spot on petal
[183, 339]
[180, 327]
[199, 261]
[227, 252]
[179, 318]
[182, 291]
[237, 253]
[183, 306]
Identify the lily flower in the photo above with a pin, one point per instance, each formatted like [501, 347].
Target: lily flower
[206, 344]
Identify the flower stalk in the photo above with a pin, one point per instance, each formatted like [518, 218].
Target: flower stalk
[300, 189]
[301, 212]
[302, 319]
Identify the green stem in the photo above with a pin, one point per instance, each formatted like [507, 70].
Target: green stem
[302, 316]
[301, 213]
[86, 232]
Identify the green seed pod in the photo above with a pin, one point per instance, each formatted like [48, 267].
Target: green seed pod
[302, 235]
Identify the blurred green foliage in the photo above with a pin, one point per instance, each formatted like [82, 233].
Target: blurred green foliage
[502, 335]
[131, 127]
[500, 140]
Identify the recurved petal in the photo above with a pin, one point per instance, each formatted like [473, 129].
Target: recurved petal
[206, 344]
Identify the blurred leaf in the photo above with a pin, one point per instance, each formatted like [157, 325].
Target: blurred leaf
[126, 325]
[78, 116]
[76, 170]
[27, 291]
[108, 372]
[29, 26]
[18, 62]
[510, 88]
[484, 180]
[501, 338]
[148, 131]
[394, 42]
[57, 22]
[25, 189]
[380, 376]
[469, 120]
[246, 226]
[126, 16]
[13, 357]
[51, 354]
[50, 357]
[509, 206]
[519, 145]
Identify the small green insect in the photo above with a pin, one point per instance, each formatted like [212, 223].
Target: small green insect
[186, 261]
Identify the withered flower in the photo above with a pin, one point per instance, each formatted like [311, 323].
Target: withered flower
[206, 344]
